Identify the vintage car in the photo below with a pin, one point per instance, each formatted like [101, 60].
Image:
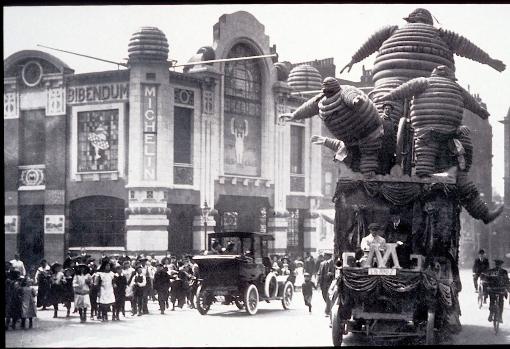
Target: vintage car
[240, 273]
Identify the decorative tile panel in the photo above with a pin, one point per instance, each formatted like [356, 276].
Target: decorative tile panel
[11, 105]
[32, 177]
[183, 96]
[56, 104]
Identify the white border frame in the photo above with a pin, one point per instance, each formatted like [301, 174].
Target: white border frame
[74, 138]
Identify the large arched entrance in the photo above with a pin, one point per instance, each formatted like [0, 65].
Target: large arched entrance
[97, 221]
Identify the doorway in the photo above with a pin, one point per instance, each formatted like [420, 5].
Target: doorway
[31, 235]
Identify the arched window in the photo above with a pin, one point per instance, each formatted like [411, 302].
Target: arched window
[97, 221]
[243, 111]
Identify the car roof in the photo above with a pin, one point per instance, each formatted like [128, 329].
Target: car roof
[241, 234]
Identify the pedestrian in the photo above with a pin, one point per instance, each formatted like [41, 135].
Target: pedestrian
[93, 289]
[325, 276]
[119, 291]
[81, 285]
[151, 268]
[28, 308]
[12, 298]
[309, 264]
[57, 287]
[67, 287]
[497, 283]
[43, 281]
[299, 272]
[106, 296]
[162, 286]
[18, 265]
[480, 265]
[138, 282]
[307, 288]
[178, 290]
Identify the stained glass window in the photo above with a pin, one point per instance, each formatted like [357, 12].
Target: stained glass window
[293, 229]
[98, 140]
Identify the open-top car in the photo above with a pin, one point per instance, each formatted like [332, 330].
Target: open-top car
[238, 270]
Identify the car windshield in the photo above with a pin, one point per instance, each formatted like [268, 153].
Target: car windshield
[234, 245]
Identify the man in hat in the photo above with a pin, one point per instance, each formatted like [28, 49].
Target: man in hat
[325, 276]
[497, 283]
[481, 265]
[389, 140]
[375, 230]
[161, 286]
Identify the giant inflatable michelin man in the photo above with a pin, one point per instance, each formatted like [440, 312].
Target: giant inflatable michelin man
[414, 51]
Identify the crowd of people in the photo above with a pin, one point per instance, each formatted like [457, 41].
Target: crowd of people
[94, 288]
[100, 286]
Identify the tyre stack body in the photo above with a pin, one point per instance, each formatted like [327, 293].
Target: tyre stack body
[357, 126]
[436, 113]
[410, 52]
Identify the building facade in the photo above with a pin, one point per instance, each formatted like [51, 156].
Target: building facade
[125, 159]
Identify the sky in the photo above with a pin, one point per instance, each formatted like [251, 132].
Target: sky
[301, 32]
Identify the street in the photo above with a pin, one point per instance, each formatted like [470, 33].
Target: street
[227, 326]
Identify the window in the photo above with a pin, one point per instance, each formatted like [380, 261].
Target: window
[32, 137]
[183, 149]
[243, 112]
[97, 221]
[293, 229]
[98, 140]
[297, 179]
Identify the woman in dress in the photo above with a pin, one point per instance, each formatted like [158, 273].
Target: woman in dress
[105, 283]
[43, 280]
[28, 309]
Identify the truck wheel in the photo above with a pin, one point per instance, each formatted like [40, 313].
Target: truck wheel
[429, 334]
[203, 305]
[288, 292]
[251, 299]
[337, 329]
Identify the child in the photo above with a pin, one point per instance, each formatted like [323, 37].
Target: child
[57, 287]
[119, 291]
[81, 287]
[299, 274]
[106, 296]
[307, 289]
[138, 282]
[28, 309]
[12, 298]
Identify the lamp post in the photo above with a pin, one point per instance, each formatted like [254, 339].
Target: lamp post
[205, 214]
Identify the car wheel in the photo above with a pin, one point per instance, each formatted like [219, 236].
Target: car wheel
[429, 334]
[203, 304]
[337, 328]
[271, 284]
[251, 299]
[288, 292]
[239, 303]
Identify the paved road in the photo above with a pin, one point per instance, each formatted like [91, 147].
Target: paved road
[227, 326]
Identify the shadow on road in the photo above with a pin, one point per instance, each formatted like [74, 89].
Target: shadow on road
[243, 313]
[477, 334]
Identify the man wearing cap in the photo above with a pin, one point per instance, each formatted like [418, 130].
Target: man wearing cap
[325, 275]
[497, 282]
[375, 230]
[481, 265]
[138, 282]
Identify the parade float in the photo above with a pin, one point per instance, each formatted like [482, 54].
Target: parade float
[404, 161]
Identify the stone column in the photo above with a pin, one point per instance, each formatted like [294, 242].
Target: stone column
[277, 226]
[150, 138]
[310, 233]
[199, 234]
